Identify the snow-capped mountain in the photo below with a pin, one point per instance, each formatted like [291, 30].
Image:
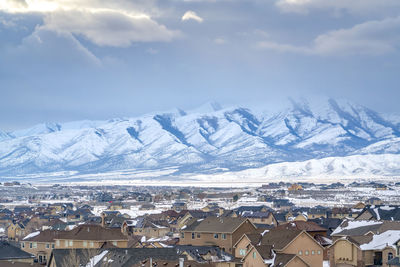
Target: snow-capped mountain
[203, 140]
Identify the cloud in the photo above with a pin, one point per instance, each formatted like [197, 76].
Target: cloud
[351, 6]
[369, 38]
[191, 15]
[109, 27]
[220, 41]
[102, 23]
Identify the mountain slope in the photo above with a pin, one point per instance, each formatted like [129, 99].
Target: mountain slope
[203, 139]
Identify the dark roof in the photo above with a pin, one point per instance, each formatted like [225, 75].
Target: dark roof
[373, 227]
[215, 225]
[394, 262]
[9, 252]
[197, 252]
[257, 214]
[19, 264]
[383, 212]
[282, 259]
[279, 238]
[242, 209]
[45, 236]
[307, 226]
[93, 232]
[328, 223]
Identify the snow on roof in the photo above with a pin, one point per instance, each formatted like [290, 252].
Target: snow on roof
[93, 261]
[353, 225]
[387, 208]
[31, 235]
[378, 242]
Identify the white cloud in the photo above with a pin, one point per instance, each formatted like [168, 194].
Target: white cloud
[191, 15]
[109, 27]
[369, 38]
[105, 23]
[352, 6]
[220, 41]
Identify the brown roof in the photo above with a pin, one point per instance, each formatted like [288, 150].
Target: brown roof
[45, 236]
[215, 225]
[93, 232]
[279, 238]
[282, 259]
[301, 225]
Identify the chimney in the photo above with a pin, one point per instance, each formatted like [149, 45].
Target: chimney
[151, 262]
[181, 260]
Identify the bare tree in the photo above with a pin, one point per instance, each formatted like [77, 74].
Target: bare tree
[80, 258]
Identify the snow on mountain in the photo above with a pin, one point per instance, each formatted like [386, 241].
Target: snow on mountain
[206, 139]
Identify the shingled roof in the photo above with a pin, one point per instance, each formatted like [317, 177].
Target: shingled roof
[9, 252]
[45, 236]
[93, 232]
[279, 238]
[302, 225]
[215, 225]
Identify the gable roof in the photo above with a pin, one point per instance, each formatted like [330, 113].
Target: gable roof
[216, 225]
[9, 252]
[93, 232]
[307, 226]
[382, 212]
[45, 236]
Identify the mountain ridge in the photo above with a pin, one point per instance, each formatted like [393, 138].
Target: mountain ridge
[200, 140]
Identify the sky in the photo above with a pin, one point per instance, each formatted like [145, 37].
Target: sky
[64, 60]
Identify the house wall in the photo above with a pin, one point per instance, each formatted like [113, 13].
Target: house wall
[207, 239]
[243, 243]
[343, 250]
[40, 248]
[244, 228]
[96, 244]
[296, 262]
[305, 243]
[250, 261]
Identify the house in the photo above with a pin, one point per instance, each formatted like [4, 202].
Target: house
[342, 213]
[90, 236]
[264, 255]
[282, 204]
[115, 257]
[260, 217]
[13, 254]
[179, 206]
[374, 201]
[16, 231]
[295, 187]
[40, 244]
[216, 231]
[365, 243]
[382, 212]
[279, 241]
[144, 226]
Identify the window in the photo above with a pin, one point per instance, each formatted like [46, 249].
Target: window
[71, 243]
[66, 243]
[30, 245]
[182, 235]
[23, 244]
[390, 256]
[34, 245]
[52, 245]
[85, 244]
[242, 252]
[58, 243]
[223, 236]
[216, 236]
[91, 244]
[306, 253]
[198, 235]
[114, 243]
[319, 252]
[254, 255]
[312, 252]
[300, 252]
[47, 245]
[193, 235]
